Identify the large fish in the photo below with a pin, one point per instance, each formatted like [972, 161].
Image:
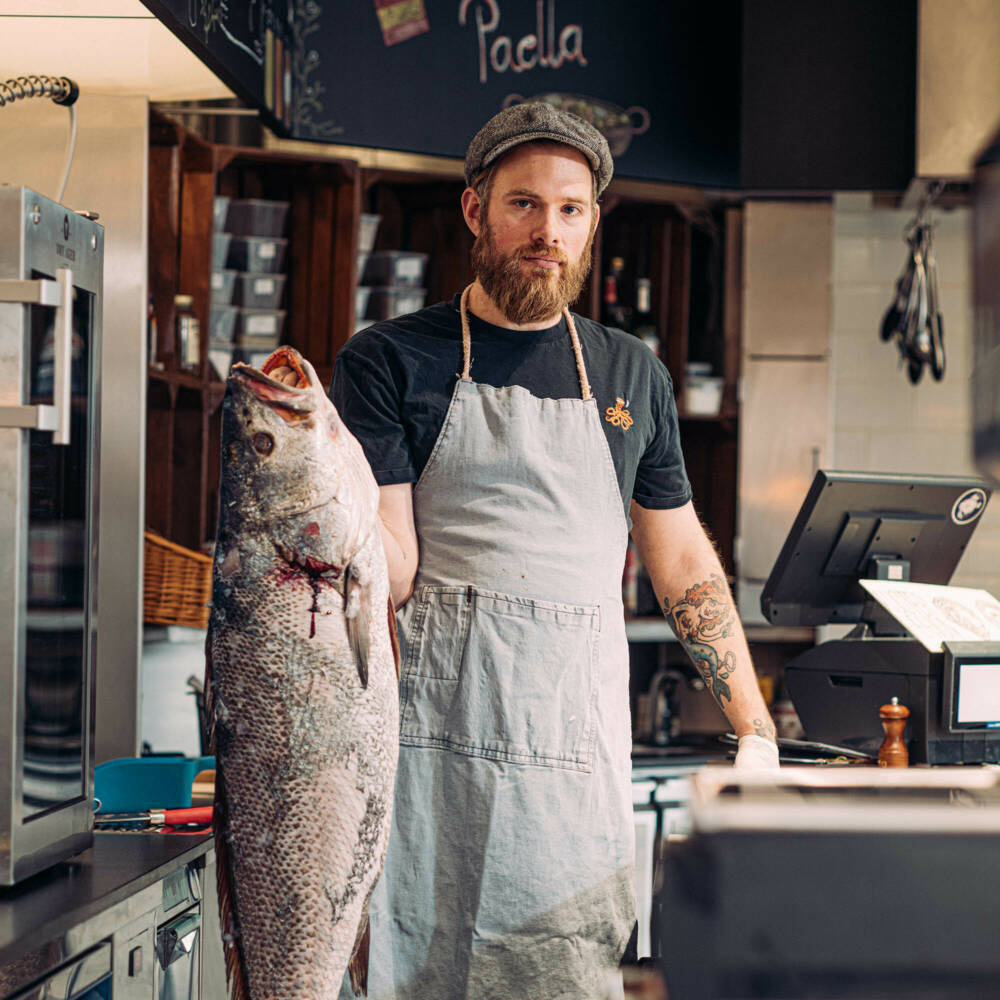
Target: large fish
[301, 688]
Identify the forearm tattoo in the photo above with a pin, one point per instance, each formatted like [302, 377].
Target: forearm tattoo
[702, 616]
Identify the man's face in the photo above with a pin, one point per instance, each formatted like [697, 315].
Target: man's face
[532, 250]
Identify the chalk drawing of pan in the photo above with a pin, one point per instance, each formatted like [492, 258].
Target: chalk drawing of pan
[616, 124]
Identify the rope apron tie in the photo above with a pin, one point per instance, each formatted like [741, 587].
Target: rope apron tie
[570, 325]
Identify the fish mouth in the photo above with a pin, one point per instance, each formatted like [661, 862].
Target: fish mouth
[284, 382]
[286, 365]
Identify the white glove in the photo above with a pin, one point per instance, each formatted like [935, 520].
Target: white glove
[757, 753]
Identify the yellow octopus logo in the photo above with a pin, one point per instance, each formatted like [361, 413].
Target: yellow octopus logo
[618, 415]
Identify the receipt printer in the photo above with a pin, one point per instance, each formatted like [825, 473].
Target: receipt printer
[953, 696]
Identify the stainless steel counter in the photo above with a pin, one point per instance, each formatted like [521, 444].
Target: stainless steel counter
[117, 890]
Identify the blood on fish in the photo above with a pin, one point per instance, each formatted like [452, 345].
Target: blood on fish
[289, 574]
[316, 584]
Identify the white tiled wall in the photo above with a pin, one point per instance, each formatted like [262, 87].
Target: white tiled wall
[881, 422]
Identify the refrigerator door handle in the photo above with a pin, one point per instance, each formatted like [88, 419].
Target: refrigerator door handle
[58, 293]
[61, 383]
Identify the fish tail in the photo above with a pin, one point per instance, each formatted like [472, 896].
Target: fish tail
[231, 941]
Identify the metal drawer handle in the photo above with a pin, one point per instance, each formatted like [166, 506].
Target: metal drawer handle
[177, 939]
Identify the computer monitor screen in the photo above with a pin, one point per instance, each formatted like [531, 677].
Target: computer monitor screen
[971, 684]
[858, 525]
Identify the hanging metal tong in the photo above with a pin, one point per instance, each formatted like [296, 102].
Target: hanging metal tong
[914, 319]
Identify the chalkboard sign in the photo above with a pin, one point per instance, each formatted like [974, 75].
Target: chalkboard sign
[714, 93]
[661, 79]
[266, 51]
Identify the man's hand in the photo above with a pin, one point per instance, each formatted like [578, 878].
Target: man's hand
[756, 753]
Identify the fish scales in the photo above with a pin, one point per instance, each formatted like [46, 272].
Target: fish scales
[302, 686]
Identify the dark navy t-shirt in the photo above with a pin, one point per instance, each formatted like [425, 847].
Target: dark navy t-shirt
[393, 382]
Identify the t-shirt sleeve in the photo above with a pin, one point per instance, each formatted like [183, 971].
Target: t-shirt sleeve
[369, 403]
[661, 480]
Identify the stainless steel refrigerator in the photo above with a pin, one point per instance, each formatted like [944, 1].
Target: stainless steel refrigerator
[51, 276]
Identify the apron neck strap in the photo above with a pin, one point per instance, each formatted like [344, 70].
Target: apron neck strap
[570, 325]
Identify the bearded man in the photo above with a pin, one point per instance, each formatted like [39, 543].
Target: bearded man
[507, 497]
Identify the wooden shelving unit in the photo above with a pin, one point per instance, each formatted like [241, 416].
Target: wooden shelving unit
[666, 242]
[185, 175]
[421, 213]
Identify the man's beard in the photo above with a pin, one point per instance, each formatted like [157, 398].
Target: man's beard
[532, 295]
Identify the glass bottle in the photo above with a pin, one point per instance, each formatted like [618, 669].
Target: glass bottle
[613, 313]
[188, 334]
[152, 337]
[644, 325]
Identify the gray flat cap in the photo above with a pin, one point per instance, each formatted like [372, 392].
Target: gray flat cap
[529, 122]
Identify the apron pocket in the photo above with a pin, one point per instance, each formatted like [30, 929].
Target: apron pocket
[437, 633]
[503, 677]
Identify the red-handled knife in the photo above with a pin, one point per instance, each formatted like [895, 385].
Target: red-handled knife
[158, 817]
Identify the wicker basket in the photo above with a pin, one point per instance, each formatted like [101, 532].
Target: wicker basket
[176, 584]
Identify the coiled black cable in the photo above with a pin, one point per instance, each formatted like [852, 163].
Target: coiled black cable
[61, 89]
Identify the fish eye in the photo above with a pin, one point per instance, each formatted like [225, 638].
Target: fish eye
[263, 443]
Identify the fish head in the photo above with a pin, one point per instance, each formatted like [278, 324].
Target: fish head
[292, 474]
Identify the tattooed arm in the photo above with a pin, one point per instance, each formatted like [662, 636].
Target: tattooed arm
[691, 588]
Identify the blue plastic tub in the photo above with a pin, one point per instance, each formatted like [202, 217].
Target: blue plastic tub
[134, 784]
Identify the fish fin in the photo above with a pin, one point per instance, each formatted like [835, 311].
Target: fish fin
[356, 613]
[358, 965]
[394, 638]
[236, 982]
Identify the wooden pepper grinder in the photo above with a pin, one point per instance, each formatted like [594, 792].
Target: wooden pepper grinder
[893, 751]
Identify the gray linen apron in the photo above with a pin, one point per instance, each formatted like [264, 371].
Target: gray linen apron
[510, 864]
